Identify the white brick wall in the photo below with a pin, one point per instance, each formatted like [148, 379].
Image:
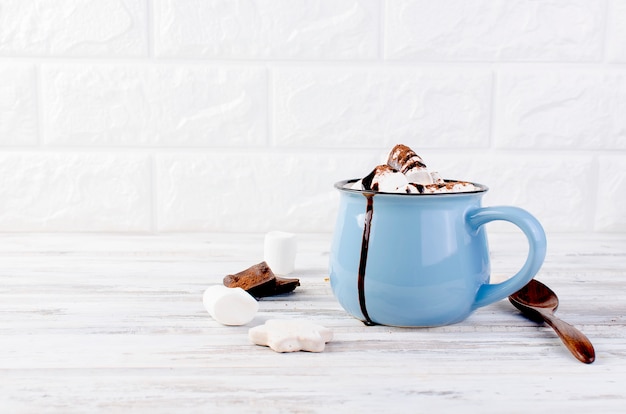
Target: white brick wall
[225, 115]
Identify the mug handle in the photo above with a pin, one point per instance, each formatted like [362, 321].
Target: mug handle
[490, 292]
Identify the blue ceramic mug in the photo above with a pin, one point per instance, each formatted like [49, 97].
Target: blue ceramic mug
[421, 259]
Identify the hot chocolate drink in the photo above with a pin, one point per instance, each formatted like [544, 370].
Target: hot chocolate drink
[406, 173]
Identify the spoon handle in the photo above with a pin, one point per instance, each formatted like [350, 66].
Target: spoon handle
[578, 344]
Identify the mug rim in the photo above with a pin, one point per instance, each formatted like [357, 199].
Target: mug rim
[341, 186]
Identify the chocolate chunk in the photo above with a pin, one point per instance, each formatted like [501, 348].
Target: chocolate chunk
[369, 182]
[260, 281]
[286, 285]
[250, 278]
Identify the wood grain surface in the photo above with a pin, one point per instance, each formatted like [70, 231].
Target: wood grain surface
[94, 323]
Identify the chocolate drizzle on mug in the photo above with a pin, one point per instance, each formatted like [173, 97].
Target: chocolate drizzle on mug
[369, 212]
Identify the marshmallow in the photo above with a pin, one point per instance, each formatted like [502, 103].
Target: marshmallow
[404, 159]
[280, 251]
[419, 176]
[357, 185]
[462, 187]
[283, 335]
[230, 306]
[386, 180]
[436, 177]
[449, 187]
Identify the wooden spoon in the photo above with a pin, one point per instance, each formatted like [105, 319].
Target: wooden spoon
[538, 302]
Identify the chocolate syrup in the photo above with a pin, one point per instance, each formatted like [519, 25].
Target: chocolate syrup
[369, 212]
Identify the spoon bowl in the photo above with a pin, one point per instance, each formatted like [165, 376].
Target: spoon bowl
[532, 296]
[538, 302]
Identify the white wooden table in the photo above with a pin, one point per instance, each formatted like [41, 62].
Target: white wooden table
[109, 323]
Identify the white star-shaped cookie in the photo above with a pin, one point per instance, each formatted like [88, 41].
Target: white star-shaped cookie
[291, 335]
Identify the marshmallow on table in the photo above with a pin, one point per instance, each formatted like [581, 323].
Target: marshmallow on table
[291, 335]
[280, 251]
[230, 306]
